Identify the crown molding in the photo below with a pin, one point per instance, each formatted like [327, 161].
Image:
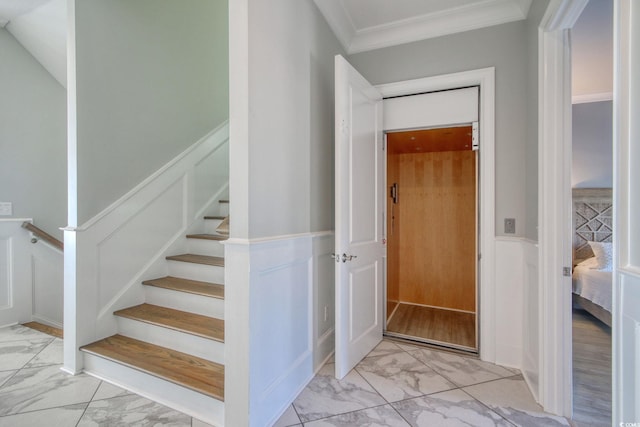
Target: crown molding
[338, 19]
[562, 14]
[481, 14]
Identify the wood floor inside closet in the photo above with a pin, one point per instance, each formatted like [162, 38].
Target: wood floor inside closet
[448, 327]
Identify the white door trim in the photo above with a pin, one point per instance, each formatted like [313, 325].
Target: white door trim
[554, 204]
[626, 238]
[485, 78]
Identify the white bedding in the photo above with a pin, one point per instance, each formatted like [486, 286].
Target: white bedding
[594, 285]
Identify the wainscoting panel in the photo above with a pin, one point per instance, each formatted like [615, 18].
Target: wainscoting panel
[123, 253]
[111, 254]
[531, 327]
[508, 302]
[47, 264]
[5, 273]
[210, 172]
[324, 297]
[15, 273]
[285, 296]
[628, 344]
[281, 315]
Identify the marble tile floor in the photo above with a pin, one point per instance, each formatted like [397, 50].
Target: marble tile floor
[395, 385]
[402, 385]
[34, 391]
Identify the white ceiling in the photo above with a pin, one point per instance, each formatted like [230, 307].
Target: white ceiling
[11, 9]
[363, 25]
[360, 25]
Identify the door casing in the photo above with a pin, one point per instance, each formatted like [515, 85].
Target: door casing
[485, 79]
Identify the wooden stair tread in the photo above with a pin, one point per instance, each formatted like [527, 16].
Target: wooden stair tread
[215, 217]
[194, 324]
[223, 201]
[206, 289]
[197, 374]
[198, 259]
[207, 236]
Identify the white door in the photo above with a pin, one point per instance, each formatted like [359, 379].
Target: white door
[626, 205]
[359, 217]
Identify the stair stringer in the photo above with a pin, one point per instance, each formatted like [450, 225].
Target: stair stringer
[158, 266]
[128, 241]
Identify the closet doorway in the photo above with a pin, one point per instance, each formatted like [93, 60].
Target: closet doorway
[432, 236]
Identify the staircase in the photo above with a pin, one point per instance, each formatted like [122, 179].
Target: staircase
[171, 347]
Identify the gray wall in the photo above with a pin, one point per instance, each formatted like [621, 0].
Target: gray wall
[291, 105]
[592, 49]
[33, 164]
[152, 79]
[503, 47]
[592, 145]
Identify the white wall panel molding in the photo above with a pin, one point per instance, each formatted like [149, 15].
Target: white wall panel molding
[281, 316]
[47, 266]
[110, 255]
[324, 298]
[531, 309]
[626, 226]
[627, 348]
[15, 273]
[286, 334]
[508, 301]
[31, 277]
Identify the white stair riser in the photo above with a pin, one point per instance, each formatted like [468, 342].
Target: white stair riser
[192, 271]
[169, 338]
[181, 399]
[184, 301]
[223, 209]
[205, 247]
[210, 225]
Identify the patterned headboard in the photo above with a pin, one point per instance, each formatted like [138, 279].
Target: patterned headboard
[592, 219]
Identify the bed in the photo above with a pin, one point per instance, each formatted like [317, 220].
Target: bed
[592, 219]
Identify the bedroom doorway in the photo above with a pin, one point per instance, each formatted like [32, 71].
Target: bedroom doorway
[592, 180]
[432, 236]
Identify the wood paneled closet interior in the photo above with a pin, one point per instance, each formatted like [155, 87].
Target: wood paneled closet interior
[432, 232]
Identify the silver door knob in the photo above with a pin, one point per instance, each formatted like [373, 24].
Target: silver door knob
[346, 257]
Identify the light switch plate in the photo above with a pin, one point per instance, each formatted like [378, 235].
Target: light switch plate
[510, 226]
[6, 208]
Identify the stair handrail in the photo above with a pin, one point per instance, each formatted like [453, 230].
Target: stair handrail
[38, 234]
